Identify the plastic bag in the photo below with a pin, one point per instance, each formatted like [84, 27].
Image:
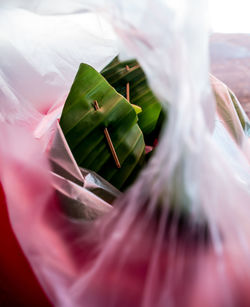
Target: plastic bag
[40, 56]
[82, 193]
[180, 236]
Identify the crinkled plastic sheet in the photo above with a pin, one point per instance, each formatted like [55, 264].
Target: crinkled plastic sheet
[180, 235]
[40, 55]
[82, 193]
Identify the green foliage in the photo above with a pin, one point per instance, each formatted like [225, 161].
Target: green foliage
[118, 74]
[83, 127]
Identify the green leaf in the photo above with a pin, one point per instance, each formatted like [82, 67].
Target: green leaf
[83, 127]
[137, 109]
[118, 74]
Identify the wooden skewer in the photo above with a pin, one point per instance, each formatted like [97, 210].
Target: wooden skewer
[127, 92]
[111, 146]
[127, 87]
[108, 138]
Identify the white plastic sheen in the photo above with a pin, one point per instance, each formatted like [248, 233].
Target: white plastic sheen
[180, 235]
[40, 55]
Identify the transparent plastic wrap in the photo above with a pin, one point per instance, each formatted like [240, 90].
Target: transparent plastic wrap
[184, 226]
[180, 234]
[40, 55]
[82, 193]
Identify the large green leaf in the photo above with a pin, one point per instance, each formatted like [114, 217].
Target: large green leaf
[118, 74]
[83, 127]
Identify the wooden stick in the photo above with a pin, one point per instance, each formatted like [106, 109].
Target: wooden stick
[127, 87]
[108, 138]
[127, 92]
[111, 146]
[96, 105]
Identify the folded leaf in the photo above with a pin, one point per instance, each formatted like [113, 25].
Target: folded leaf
[118, 74]
[84, 126]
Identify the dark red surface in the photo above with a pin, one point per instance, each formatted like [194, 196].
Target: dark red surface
[18, 284]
